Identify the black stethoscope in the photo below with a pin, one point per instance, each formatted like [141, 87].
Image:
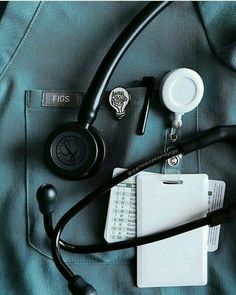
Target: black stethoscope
[90, 155]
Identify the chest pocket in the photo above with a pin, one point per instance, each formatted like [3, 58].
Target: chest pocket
[123, 147]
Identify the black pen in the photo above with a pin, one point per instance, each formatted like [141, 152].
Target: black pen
[148, 82]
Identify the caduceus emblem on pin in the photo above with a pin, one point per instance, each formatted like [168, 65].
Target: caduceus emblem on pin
[119, 98]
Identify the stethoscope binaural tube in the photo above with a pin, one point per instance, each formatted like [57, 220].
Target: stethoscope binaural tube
[91, 102]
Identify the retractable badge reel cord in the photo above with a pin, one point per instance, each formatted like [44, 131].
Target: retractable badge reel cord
[87, 158]
[181, 91]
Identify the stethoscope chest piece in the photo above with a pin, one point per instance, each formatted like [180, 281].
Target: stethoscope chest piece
[73, 152]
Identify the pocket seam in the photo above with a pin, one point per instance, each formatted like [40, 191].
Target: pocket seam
[26, 35]
[28, 212]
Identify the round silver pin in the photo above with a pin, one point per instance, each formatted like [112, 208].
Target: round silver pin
[119, 98]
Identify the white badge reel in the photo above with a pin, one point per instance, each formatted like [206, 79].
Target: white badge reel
[181, 91]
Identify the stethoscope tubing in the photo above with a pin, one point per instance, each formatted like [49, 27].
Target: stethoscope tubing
[91, 102]
[199, 141]
[212, 219]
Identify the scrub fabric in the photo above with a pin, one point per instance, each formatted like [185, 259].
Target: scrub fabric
[59, 45]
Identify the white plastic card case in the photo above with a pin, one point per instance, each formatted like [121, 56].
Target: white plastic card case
[179, 260]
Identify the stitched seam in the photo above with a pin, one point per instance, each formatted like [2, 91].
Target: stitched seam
[27, 182]
[27, 131]
[22, 41]
[209, 41]
[51, 108]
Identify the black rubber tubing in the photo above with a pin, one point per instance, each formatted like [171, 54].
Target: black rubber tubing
[91, 102]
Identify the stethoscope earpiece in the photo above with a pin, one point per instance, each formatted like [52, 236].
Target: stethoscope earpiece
[46, 197]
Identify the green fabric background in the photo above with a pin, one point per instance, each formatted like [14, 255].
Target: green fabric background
[219, 22]
[59, 45]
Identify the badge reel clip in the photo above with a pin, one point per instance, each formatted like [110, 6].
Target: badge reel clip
[181, 91]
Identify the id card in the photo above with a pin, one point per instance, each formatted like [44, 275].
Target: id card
[121, 214]
[216, 192]
[180, 260]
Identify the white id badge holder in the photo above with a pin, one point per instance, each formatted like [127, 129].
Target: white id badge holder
[180, 260]
[171, 199]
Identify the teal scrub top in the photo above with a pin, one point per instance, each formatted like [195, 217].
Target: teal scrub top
[59, 46]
